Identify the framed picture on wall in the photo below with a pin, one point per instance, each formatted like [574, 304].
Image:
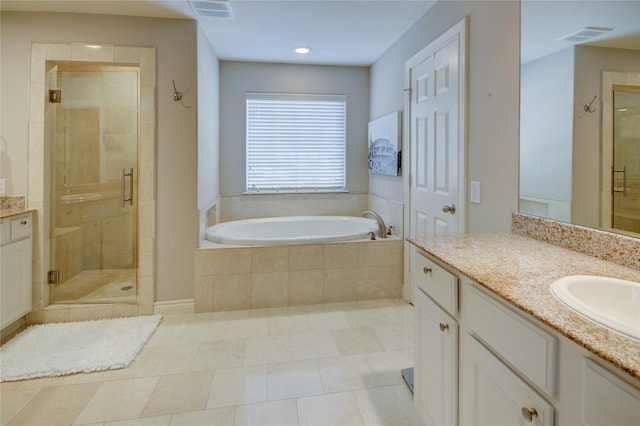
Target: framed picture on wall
[384, 143]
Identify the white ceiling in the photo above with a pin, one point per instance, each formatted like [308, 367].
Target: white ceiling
[355, 32]
[544, 22]
[344, 32]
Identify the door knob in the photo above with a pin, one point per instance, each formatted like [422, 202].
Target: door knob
[444, 326]
[529, 414]
[449, 209]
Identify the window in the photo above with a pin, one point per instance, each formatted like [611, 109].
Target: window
[296, 142]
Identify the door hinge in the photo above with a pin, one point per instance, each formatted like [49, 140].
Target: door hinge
[53, 277]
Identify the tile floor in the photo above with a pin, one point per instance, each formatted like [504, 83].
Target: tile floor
[332, 364]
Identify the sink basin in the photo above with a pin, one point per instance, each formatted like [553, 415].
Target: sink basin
[611, 302]
[80, 197]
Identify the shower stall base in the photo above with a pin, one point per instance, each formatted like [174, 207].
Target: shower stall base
[98, 286]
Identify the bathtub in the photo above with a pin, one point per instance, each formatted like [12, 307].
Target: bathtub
[291, 230]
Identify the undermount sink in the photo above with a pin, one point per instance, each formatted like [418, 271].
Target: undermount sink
[611, 302]
[80, 197]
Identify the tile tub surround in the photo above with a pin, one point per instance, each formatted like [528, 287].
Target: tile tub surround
[520, 270]
[232, 278]
[609, 246]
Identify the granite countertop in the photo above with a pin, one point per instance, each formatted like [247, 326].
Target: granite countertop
[520, 270]
[13, 212]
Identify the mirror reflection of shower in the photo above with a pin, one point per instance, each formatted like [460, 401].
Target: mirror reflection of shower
[625, 191]
[91, 127]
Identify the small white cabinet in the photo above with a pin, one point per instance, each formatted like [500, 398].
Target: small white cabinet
[436, 367]
[435, 300]
[15, 275]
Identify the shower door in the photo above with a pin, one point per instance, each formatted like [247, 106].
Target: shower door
[92, 125]
[625, 212]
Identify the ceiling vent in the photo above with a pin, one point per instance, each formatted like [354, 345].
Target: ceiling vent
[586, 34]
[212, 9]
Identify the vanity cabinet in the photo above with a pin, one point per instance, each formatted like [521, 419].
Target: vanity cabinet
[481, 361]
[15, 275]
[436, 351]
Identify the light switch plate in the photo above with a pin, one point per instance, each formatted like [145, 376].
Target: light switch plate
[475, 192]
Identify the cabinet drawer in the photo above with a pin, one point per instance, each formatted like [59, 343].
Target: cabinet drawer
[20, 228]
[525, 346]
[436, 282]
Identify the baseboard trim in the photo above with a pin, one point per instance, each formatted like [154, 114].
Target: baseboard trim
[175, 307]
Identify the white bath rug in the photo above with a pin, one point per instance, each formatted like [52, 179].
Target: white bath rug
[64, 348]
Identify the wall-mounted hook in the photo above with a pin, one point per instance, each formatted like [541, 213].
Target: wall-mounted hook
[587, 107]
[177, 95]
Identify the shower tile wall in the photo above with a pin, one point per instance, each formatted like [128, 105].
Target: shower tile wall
[259, 277]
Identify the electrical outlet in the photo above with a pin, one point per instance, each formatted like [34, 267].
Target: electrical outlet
[3, 187]
[475, 192]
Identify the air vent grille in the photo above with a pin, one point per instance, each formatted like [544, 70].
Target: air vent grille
[586, 34]
[212, 9]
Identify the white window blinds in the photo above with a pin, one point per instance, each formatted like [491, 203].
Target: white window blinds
[296, 142]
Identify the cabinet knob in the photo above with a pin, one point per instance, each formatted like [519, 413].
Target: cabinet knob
[529, 414]
[24, 222]
[426, 270]
[444, 327]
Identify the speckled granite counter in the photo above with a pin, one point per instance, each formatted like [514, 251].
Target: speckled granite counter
[12, 206]
[520, 270]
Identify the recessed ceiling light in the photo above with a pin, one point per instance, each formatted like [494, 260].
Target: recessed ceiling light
[623, 110]
[93, 46]
[302, 50]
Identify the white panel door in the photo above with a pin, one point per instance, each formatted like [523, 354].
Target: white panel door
[436, 77]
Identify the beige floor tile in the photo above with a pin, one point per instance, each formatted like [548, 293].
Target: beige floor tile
[247, 327]
[166, 360]
[118, 400]
[288, 324]
[275, 413]
[56, 405]
[332, 409]
[216, 416]
[396, 336]
[293, 379]
[322, 321]
[267, 350]
[398, 314]
[203, 331]
[218, 355]
[389, 405]
[14, 400]
[386, 366]
[345, 373]
[236, 386]
[357, 341]
[179, 393]
[366, 317]
[313, 345]
[147, 421]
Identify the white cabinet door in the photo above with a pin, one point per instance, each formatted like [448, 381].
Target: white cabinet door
[15, 300]
[436, 363]
[493, 395]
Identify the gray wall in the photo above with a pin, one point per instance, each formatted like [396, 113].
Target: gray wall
[208, 123]
[175, 41]
[493, 99]
[546, 127]
[238, 78]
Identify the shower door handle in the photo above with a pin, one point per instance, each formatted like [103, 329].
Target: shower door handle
[624, 181]
[123, 176]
